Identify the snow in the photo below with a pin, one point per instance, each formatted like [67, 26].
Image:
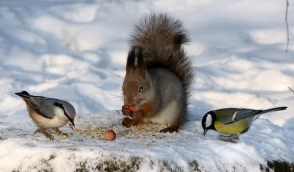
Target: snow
[76, 51]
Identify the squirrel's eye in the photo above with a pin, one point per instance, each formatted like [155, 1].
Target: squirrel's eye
[141, 89]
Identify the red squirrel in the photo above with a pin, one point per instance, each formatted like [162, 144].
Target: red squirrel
[158, 76]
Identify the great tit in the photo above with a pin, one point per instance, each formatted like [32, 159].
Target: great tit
[232, 121]
[49, 113]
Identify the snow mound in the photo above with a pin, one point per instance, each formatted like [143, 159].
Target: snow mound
[142, 148]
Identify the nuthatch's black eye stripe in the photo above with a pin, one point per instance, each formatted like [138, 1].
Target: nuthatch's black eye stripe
[61, 106]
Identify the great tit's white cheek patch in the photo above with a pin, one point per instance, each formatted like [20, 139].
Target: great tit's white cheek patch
[208, 121]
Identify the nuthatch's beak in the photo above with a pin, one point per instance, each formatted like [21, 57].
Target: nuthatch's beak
[71, 124]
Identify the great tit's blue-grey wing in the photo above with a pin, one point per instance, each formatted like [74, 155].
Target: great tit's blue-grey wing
[230, 115]
[245, 113]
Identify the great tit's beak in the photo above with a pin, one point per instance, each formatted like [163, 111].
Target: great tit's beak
[205, 130]
[71, 124]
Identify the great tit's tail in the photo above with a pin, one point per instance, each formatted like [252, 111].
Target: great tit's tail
[273, 109]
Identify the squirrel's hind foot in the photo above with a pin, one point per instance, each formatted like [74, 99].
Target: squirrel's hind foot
[170, 129]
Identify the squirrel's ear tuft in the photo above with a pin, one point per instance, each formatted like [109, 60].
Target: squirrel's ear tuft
[135, 60]
[138, 57]
[131, 57]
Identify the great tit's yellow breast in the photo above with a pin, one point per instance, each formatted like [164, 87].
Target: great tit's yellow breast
[233, 128]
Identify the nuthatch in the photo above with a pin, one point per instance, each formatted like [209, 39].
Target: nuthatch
[49, 113]
[232, 121]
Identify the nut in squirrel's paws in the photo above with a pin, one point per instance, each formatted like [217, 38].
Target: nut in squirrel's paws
[131, 108]
[128, 110]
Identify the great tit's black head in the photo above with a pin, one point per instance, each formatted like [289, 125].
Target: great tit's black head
[208, 121]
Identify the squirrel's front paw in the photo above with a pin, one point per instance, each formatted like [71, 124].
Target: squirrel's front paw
[128, 122]
[125, 111]
[135, 114]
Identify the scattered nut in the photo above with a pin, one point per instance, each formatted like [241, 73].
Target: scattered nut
[109, 135]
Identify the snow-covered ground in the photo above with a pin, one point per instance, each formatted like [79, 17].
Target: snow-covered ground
[76, 51]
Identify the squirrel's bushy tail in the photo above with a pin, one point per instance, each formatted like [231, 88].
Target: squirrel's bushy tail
[161, 38]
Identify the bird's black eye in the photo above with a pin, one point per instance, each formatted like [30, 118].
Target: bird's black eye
[140, 89]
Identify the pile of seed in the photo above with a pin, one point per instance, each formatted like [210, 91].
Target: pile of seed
[96, 131]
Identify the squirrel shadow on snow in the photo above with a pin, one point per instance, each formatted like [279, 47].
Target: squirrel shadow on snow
[156, 87]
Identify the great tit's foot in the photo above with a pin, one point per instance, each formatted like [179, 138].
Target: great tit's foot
[231, 138]
[65, 135]
[170, 129]
[43, 131]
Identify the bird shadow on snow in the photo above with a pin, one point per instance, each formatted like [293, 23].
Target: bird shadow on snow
[197, 109]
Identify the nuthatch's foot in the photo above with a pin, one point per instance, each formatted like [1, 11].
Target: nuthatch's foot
[43, 131]
[65, 135]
